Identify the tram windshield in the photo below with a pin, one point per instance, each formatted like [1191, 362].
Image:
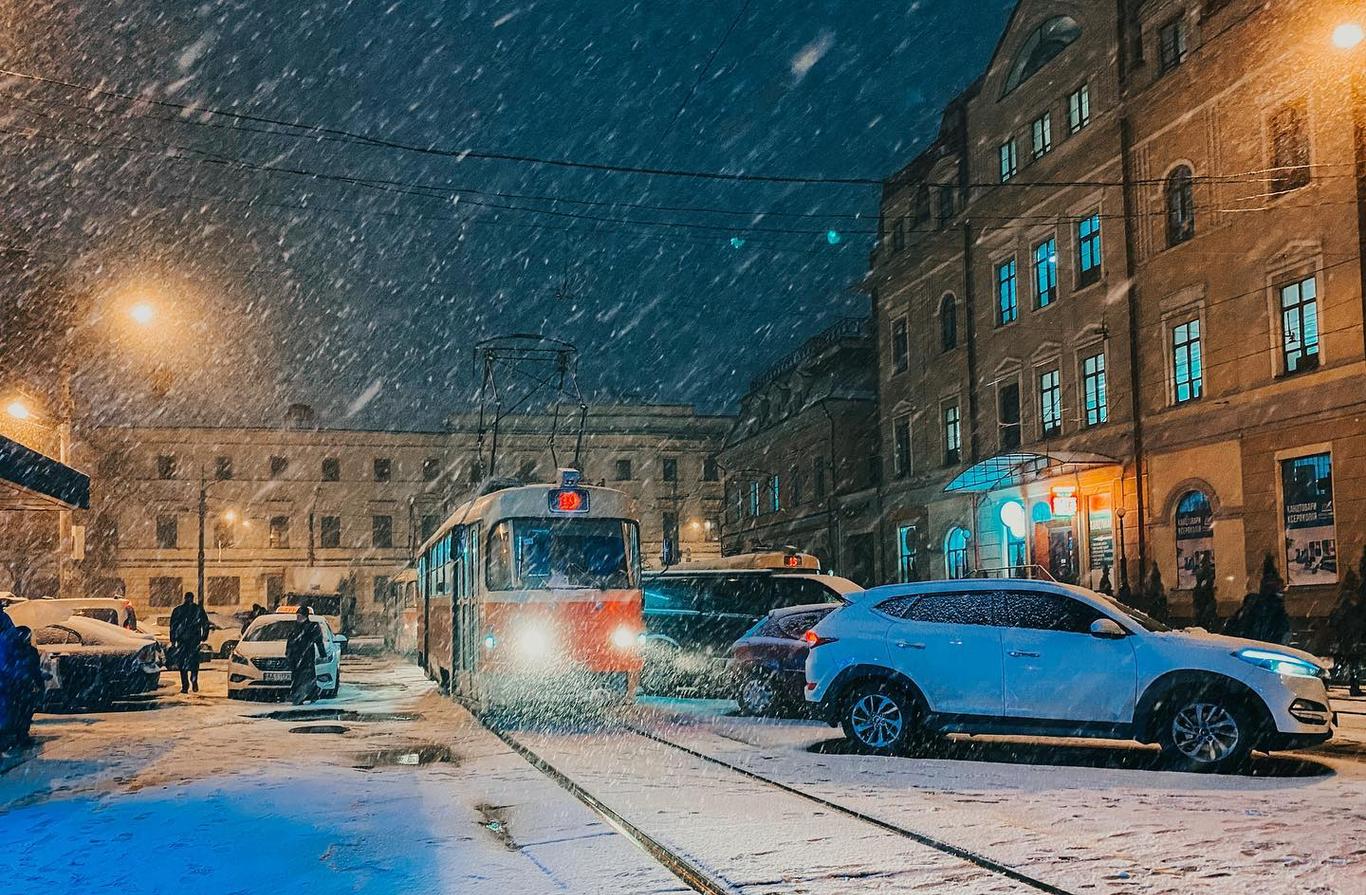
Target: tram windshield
[563, 553]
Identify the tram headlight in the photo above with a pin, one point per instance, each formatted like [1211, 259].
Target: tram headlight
[534, 642]
[490, 642]
[625, 638]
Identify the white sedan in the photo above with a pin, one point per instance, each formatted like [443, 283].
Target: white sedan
[258, 663]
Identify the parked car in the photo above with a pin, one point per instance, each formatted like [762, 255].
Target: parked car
[224, 632]
[1039, 658]
[258, 663]
[39, 613]
[692, 617]
[768, 662]
[93, 663]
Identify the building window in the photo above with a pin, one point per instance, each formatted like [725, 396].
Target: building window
[901, 346]
[898, 235]
[1050, 403]
[384, 469]
[920, 208]
[222, 468]
[1045, 273]
[1007, 297]
[331, 469]
[166, 466]
[948, 323]
[907, 565]
[1088, 249]
[668, 526]
[956, 553]
[623, 470]
[1171, 44]
[901, 447]
[711, 528]
[167, 532]
[818, 478]
[1194, 539]
[670, 469]
[947, 206]
[711, 470]
[753, 503]
[278, 465]
[1300, 325]
[1310, 525]
[382, 531]
[224, 590]
[1078, 109]
[279, 532]
[1042, 135]
[1180, 190]
[1009, 415]
[798, 486]
[775, 493]
[1093, 387]
[164, 591]
[431, 469]
[224, 533]
[1289, 133]
[329, 532]
[953, 436]
[1188, 374]
[430, 523]
[1009, 158]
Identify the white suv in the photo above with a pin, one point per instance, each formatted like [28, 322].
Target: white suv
[1028, 657]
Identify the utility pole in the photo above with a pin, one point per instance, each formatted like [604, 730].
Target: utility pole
[203, 513]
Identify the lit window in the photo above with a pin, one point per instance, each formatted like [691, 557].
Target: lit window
[1187, 365]
[1010, 161]
[1007, 298]
[1088, 250]
[1078, 109]
[907, 543]
[775, 494]
[1093, 388]
[1042, 133]
[1045, 272]
[753, 499]
[1300, 325]
[956, 553]
[953, 436]
[1050, 403]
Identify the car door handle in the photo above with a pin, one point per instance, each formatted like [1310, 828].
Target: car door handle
[906, 645]
[1022, 654]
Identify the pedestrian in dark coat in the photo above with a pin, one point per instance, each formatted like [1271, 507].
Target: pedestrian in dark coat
[257, 610]
[21, 683]
[303, 649]
[189, 628]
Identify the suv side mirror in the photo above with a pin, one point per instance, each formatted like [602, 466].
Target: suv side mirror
[1107, 628]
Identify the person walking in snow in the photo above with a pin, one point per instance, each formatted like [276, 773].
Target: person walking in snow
[303, 649]
[189, 628]
[21, 683]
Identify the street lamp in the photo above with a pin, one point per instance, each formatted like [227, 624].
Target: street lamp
[142, 313]
[19, 410]
[1348, 35]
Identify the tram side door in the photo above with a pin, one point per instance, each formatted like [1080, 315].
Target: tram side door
[468, 621]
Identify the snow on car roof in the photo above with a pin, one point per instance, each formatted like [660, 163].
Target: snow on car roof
[100, 632]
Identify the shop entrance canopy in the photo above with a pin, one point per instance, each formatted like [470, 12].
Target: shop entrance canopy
[30, 480]
[1021, 467]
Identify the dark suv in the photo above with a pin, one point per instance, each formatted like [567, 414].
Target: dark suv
[693, 617]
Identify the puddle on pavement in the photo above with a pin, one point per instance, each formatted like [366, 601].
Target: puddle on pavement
[338, 715]
[414, 755]
[320, 728]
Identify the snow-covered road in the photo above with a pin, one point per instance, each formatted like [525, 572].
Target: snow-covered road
[200, 794]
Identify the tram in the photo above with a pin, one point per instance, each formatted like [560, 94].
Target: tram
[533, 591]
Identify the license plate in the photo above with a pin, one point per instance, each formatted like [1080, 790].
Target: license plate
[274, 677]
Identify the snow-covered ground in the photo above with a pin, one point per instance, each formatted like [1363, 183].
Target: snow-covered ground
[197, 793]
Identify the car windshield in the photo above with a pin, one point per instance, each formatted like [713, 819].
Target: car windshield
[553, 553]
[276, 631]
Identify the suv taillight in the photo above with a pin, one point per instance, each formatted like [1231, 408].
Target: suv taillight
[814, 640]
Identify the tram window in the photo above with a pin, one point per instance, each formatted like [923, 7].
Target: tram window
[540, 553]
[499, 574]
[669, 596]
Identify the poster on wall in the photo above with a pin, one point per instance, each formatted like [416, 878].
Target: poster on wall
[1311, 550]
[1194, 537]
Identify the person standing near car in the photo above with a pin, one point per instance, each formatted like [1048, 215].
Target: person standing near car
[21, 683]
[189, 628]
[304, 649]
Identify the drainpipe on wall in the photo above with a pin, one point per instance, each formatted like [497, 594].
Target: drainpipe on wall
[1134, 371]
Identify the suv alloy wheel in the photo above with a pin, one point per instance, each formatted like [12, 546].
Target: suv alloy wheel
[757, 694]
[1206, 732]
[880, 718]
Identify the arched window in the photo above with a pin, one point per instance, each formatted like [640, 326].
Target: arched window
[1180, 206]
[956, 553]
[1194, 538]
[1040, 48]
[948, 322]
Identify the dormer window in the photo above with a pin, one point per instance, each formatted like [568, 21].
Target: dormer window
[1040, 48]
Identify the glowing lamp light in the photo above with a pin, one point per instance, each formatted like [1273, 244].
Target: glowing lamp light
[19, 410]
[1013, 517]
[833, 237]
[625, 638]
[142, 313]
[1064, 500]
[792, 561]
[569, 501]
[1348, 35]
[737, 242]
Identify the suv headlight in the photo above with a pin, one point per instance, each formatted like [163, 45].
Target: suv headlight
[1281, 663]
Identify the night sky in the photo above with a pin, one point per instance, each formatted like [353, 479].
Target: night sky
[355, 278]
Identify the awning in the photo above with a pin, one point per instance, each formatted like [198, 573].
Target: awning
[33, 481]
[1019, 468]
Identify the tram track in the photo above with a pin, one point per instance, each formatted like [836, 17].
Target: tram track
[700, 879]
